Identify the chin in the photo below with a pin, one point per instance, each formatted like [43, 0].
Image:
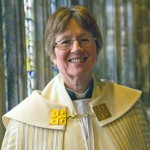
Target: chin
[81, 73]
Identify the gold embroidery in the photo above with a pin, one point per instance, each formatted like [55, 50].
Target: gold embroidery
[79, 116]
[58, 116]
[101, 112]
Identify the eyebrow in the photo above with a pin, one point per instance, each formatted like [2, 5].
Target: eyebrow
[69, 36]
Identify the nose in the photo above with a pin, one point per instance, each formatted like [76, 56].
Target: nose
[76, 46]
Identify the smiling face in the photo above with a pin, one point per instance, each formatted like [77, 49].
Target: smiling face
[78, 61]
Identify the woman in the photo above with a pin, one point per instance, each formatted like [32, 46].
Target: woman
[76, 110]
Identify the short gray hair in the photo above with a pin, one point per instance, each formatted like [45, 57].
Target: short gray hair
[58, 21]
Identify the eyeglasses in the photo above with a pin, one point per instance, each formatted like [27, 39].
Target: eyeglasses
[66, 44]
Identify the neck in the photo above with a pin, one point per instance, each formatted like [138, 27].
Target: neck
[77, 84]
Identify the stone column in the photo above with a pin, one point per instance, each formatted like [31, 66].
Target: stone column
[125, 56]
[142, 41]
[15, 53]
[42, 61]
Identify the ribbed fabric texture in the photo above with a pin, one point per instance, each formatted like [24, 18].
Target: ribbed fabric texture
[127, 132]
[130, 132]
[20, 136]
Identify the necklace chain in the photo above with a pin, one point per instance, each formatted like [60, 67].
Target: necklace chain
[79, 116]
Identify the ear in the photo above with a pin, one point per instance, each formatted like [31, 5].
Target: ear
[54, 62]
[53, 58]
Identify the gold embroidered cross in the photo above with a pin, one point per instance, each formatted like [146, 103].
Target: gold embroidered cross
[58, 116]
[101, 111]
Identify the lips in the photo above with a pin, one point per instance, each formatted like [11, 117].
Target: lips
[78, 57]
[78, 60]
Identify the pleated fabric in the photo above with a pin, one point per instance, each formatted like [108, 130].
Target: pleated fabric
[127, 132]
[20, 136]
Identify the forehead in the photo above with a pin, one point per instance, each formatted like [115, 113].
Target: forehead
[73, 28]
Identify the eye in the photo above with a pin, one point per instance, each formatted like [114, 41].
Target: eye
[64, 42]
[85, 40]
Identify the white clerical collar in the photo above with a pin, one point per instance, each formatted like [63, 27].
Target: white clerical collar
[79, 95]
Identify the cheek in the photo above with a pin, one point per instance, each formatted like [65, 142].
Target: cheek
[93, 53]
[94, 57]
[61, 57]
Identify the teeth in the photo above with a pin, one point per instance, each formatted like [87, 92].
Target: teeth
[77, 60]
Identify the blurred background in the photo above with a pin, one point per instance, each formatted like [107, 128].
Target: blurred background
[24, 65]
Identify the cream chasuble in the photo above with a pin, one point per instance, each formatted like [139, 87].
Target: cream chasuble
[126, 127]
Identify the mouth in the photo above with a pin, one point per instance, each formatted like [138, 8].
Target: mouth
[78, 60]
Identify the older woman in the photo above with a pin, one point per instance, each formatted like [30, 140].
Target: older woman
[76, 110]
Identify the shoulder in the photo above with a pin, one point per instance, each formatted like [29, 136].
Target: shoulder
[34, 110]
[116, 90]
[119, 99]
